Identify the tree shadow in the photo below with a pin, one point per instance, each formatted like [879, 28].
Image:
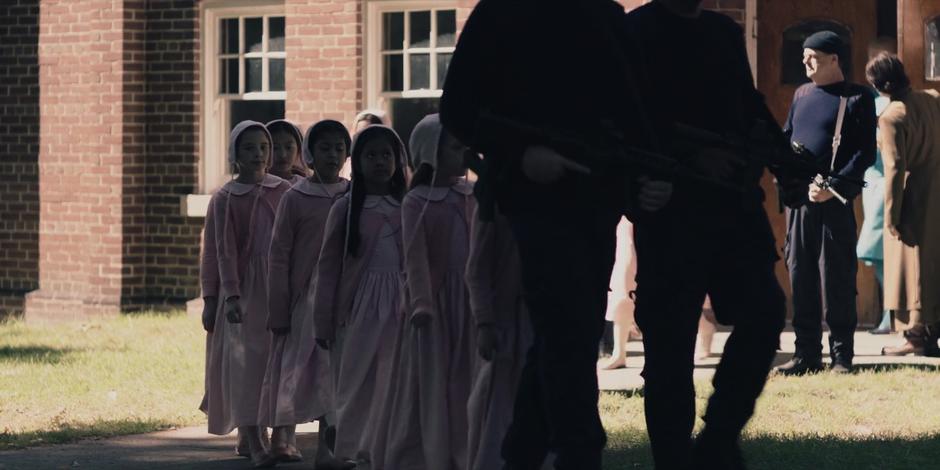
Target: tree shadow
[630, 449]
[34, 354]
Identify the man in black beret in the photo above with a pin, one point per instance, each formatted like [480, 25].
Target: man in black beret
[835, 120]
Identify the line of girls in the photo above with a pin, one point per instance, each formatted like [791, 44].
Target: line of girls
[378, 306]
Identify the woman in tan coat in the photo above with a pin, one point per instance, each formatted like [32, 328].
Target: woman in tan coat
[909, 138]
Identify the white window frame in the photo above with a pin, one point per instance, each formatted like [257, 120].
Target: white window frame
[214, 105]
[375, 96]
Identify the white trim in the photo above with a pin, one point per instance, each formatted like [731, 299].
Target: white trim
[372, 65]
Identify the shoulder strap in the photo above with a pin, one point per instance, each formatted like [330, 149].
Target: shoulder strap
[837, 135]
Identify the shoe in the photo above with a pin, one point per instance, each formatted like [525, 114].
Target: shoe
[841, 367]
[881, 330]
[799, 366]
[713, 453]
[903, 350]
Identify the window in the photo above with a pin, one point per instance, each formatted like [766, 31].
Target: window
[792, 71]
[243, 78]
[932, 50]
[410, 47]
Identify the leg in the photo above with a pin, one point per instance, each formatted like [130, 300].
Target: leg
[618, 357]
[745, 293]
[839, 267]
[259, 453]
[566, 273]
[668, 306]
[706, 333]
[803, 252]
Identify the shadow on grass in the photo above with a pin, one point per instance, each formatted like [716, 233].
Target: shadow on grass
[34, 354]
[629, 449]
[67, 433]
[896, 367]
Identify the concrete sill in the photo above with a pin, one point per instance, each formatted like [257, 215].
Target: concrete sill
[194, 205]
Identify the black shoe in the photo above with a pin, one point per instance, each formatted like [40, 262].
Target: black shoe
[714, 453]
[841, 367]
[799, 366]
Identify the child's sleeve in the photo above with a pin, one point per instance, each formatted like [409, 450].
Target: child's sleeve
[481, 269]
[227, 248]
[329, 271]
[279, 266]
[417, 269]
[209, 266]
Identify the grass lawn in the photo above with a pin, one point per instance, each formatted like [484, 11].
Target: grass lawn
[136, 373]
[142, 373]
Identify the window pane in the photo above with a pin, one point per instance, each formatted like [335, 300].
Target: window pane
[276, 74]
[252, 75]
[393, 26]
[420, 68]
[932, 50]
[228, 76]
[276, 34]
[406, 112]
[443, 61]
[394, 74]
[228, 36]
[253, 30]
[420, 29]
[446, 28]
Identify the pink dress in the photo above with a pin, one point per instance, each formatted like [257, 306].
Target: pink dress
[358, 304]
[494, 279]
[297, 386]
[435, 362]
[241, 217]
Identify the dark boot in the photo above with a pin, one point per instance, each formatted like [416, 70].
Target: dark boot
[842, 353]
[717, 451]
[799, 366]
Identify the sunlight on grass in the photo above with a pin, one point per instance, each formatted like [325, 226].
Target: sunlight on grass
[131, 374]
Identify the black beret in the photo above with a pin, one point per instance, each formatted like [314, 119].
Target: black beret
[824, 41]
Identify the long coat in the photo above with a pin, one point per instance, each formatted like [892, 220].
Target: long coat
[910, 146]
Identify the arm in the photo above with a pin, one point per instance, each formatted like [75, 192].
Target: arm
[894, 166]
[417, 269]
[864, 132]
[279, 267]
[481, 270]
[329, 271]
[209, 267]
[227, 248]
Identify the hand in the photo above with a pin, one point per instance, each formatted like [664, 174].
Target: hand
[818, 194]
[654, 194]
[281, 331]
[893, 230]
[233, 310]
[545, 166]
[487, 342]
[716, 163]
[324, 344]
[420, 319]
[209, 309]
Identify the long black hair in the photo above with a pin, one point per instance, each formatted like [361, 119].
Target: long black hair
[397, 186]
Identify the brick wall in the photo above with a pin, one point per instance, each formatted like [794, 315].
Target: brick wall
[83, 141]
[733, 8]
[19, 150]
[172, 125]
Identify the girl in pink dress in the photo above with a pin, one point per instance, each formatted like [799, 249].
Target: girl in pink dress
[494, 280]
[438, 345]
[357, 300]
[286, 162]
[298, 386]
[235, 268]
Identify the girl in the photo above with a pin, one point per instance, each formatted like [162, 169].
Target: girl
[238, 235]
[620, 305]
[297, 387]
[286, 162]
[437, 349]
[357, 299]
[368, 118]
[494, 280]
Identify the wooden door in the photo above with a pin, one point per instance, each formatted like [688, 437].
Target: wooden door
[781, 27]
[919, 41]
